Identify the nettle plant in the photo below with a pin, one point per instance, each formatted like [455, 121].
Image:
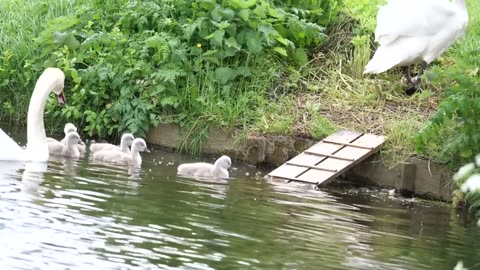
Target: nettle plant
[130, 64]
[453, 134]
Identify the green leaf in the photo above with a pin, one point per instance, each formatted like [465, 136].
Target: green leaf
[300, 56]
[244, 14]
[242, 4]
[280, 50]
[260, 12]
[232, 42]
[209, 52]
[225, 74]
[282, 40]
[254, 42]
[217, 37]
[276, 12]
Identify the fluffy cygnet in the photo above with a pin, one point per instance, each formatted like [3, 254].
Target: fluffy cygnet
[201, 169]
[69, 127]
[120, 157]
[68, 149]
[125, 142]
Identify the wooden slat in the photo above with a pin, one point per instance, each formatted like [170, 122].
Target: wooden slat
[348, 144]
[310, 167]
[329, 158]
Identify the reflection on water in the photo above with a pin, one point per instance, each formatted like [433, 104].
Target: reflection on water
[76, 214]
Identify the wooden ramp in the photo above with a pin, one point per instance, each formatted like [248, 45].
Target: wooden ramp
[329, 158]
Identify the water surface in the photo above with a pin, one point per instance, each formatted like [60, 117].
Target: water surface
[78, 214]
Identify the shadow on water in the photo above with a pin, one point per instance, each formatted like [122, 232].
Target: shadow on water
[79, 214]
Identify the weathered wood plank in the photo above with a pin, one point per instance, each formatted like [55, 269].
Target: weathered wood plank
[329, 158]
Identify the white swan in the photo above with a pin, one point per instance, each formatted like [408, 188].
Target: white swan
[69, 127]
[415, 31]
[125, 142]
[120, 157]
[51, 80]
[201, 169]
[67, 149]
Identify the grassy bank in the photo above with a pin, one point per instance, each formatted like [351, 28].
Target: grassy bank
[21, 22]
[264, 67]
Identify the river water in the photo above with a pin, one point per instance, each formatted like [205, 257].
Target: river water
[78, 214]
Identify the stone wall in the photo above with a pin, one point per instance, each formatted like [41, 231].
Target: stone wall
[416, 176]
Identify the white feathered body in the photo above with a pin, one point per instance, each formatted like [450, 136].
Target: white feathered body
[60, 149]
[11, 150]
[80, 146]
[202, 169]
[412, 31]
[96, 147]
[118, 157]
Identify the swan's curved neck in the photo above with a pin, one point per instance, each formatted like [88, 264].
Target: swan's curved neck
[35, 128]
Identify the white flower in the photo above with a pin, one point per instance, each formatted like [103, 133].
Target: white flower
[472, 184]
[464, 171]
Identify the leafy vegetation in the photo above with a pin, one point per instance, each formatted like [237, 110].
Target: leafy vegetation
[131, 64]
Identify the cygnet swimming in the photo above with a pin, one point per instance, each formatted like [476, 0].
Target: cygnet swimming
[120, 157]
[69, 127]
[125, 142]
[68, 149]
[201, 169]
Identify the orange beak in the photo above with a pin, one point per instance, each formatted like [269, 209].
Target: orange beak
[61, 98]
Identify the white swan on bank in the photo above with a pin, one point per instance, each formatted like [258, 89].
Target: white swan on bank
[51, 80]
[201, 169]
[67, 149]
[415, 32]
[119, 157]
[125, 142]
[69, 127]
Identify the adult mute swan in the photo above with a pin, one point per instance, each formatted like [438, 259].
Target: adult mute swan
[125, 142]
[415, 31]
[51, 80]
[68, 148]
[120, 157]
[69, 127]
[200, 169]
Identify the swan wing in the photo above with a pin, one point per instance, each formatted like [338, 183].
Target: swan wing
[413, 18]
[10, 149]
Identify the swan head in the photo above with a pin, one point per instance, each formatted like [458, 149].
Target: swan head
[54, 78]
[69, 127]
[73, 138]
[223, 162]
[140, 145]
[127, 139]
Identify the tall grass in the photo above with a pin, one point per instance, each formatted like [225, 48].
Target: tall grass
[21, 21]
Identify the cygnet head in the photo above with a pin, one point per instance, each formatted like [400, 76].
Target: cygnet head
[139, 145]
[223, 162]
[73, 138]
[69, 127]
[127, 139]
